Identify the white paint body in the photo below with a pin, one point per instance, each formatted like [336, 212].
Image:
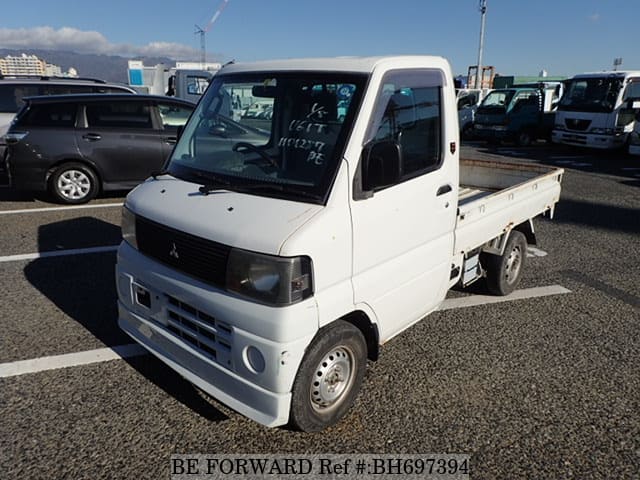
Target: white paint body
[389, 256]
[593, 128]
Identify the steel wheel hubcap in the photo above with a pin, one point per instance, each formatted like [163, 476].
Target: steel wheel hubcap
[74, 184]
[333, 378]
[514, 261]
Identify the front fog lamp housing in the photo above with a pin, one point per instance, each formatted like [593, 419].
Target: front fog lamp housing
[269, 279]
[129, 227]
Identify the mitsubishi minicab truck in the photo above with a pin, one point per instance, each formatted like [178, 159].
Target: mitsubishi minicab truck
[269, 261]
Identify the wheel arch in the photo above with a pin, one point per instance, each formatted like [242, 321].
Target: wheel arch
[529, 232]
[369, 330]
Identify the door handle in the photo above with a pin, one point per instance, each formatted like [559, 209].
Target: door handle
[170, 140]
[92, 137]
[444, 189]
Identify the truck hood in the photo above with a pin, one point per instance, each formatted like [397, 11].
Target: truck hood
[241, 220]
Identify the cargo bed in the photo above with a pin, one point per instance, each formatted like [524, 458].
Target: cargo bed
[495, 196]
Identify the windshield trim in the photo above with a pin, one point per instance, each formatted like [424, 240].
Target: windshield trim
[318, 193]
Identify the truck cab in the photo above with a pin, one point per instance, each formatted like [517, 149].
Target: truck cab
[594, 111]
[522, 113]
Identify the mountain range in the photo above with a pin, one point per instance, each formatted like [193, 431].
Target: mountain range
[106, 67]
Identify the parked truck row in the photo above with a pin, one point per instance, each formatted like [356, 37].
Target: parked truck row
[595, 110]
[267, 271]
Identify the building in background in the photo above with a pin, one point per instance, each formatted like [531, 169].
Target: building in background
[31, 65]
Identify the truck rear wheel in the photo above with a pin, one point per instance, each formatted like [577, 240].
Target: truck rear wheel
[329, 377]
[504, 271]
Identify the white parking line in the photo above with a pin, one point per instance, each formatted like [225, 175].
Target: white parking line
[57, 209]
[55, 362]
[476, 300]
[58, 253]
[535, 252]
[22, 367]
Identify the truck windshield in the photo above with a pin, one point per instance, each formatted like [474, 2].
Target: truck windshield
[498, 100]
[273, 134]
[598, 94]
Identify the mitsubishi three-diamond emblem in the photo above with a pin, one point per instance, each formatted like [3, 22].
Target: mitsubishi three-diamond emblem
[174, 251]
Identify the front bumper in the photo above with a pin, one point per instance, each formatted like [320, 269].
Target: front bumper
[491, 132]
[590, 140]
[212, 338]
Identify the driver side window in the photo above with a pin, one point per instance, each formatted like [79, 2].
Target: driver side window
[409, 114]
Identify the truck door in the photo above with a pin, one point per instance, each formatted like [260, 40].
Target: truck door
[403, 233]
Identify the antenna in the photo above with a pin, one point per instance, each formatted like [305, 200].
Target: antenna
[202, 31]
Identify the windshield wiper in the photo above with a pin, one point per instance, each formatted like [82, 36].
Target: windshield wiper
[281, 188]
[212, 182]
[277, 187]
[159, 173]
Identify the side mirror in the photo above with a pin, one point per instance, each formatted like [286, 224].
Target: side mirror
[218, 131]
[380, 165]
[633, 103]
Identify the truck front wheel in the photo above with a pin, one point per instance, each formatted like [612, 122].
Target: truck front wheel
[525, 137]
[504, 271]
[329, 377]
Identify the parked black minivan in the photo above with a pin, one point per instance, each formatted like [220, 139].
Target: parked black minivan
[14, 88]
[74, 146]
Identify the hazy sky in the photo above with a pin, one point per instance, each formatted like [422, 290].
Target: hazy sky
[522, 37]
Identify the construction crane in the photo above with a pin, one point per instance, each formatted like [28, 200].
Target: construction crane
[202, 31]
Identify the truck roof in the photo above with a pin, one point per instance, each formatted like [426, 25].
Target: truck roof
[612, 73]
[341, 64]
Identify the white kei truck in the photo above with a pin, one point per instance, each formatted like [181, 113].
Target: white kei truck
[270, 260]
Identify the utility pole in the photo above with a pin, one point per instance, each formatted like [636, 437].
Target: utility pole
[479, 72]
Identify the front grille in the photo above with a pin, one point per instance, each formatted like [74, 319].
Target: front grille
[575, 139]
[212, 337]
[578, 125]
[196, 256]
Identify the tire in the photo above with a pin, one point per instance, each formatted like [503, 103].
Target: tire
[504, 271]
[73, 183]
[524, 138]
[329, 377]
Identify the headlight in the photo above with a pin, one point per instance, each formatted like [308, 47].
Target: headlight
[273, 280]
[129, 227]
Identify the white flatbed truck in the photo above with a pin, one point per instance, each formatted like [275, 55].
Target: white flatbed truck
[266, 266]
